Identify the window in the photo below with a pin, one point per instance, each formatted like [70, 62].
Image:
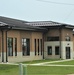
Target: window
[38, 46]
[41, 45]
[57, 50]
[15, 45]
[10, 46]
[68, 56]
[67, 38]
[35, 45]
[53, 38]
[49, 48]
[25, 47]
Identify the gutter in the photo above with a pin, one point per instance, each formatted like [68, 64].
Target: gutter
[29, 28]
[60, 39]
[43, 38]
[9, 28]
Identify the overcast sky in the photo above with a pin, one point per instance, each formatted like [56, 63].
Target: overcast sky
[35, 10]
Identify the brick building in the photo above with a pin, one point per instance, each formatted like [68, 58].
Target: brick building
[25, 41]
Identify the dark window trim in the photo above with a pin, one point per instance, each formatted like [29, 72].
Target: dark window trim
[67, 38]
[57, 52]
[38, 46]
[41, 45]
[35, 46]
[15, 46]
[10, 46]
[48, 50]
[53, 38]
[27, 49]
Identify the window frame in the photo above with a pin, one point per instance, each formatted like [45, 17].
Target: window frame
[35, 45]
[15, 45]
[49, 52]
[41, 45]
[38, 46]
[67, 38]
[25, 48]
[53, 38]
[10, 46]
[57, 52]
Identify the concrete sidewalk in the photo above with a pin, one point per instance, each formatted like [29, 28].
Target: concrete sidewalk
[10, 63]
[43, 63]
[51, 62]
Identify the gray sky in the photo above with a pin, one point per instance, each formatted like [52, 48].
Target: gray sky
[35, 10]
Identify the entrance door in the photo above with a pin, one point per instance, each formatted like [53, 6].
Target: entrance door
[67, 52]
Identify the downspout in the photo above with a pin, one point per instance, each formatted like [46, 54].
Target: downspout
[60, 39]
[6, 49]
[2, 46]
[43, 37]
[9, 28]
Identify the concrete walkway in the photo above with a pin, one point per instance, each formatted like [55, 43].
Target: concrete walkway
[10, 63]
[44, 63]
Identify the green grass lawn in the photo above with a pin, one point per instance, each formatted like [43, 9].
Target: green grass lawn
[38, 70]
[9, 70]
[47, 70]
[65, 63]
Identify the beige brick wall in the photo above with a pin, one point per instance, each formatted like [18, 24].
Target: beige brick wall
[56, 32]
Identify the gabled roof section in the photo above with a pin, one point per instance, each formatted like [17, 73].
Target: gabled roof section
[44, 23]
[50, 24]
[36, 26]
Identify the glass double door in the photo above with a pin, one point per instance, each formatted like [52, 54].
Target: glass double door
[67, 52]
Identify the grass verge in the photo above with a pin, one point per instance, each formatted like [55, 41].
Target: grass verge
[36, 70]
[39, 70]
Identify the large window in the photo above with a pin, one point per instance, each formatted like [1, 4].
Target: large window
[41, 45]
[56, 38]
[10, 46]
[15, 45]
[49, 50]
[57, 50]
[35, 45]
[38, 46]
[25, 47]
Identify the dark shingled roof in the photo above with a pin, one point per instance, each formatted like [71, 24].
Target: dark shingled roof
[48, 24]
[25, 25]
[18, 24]
[12, 22]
